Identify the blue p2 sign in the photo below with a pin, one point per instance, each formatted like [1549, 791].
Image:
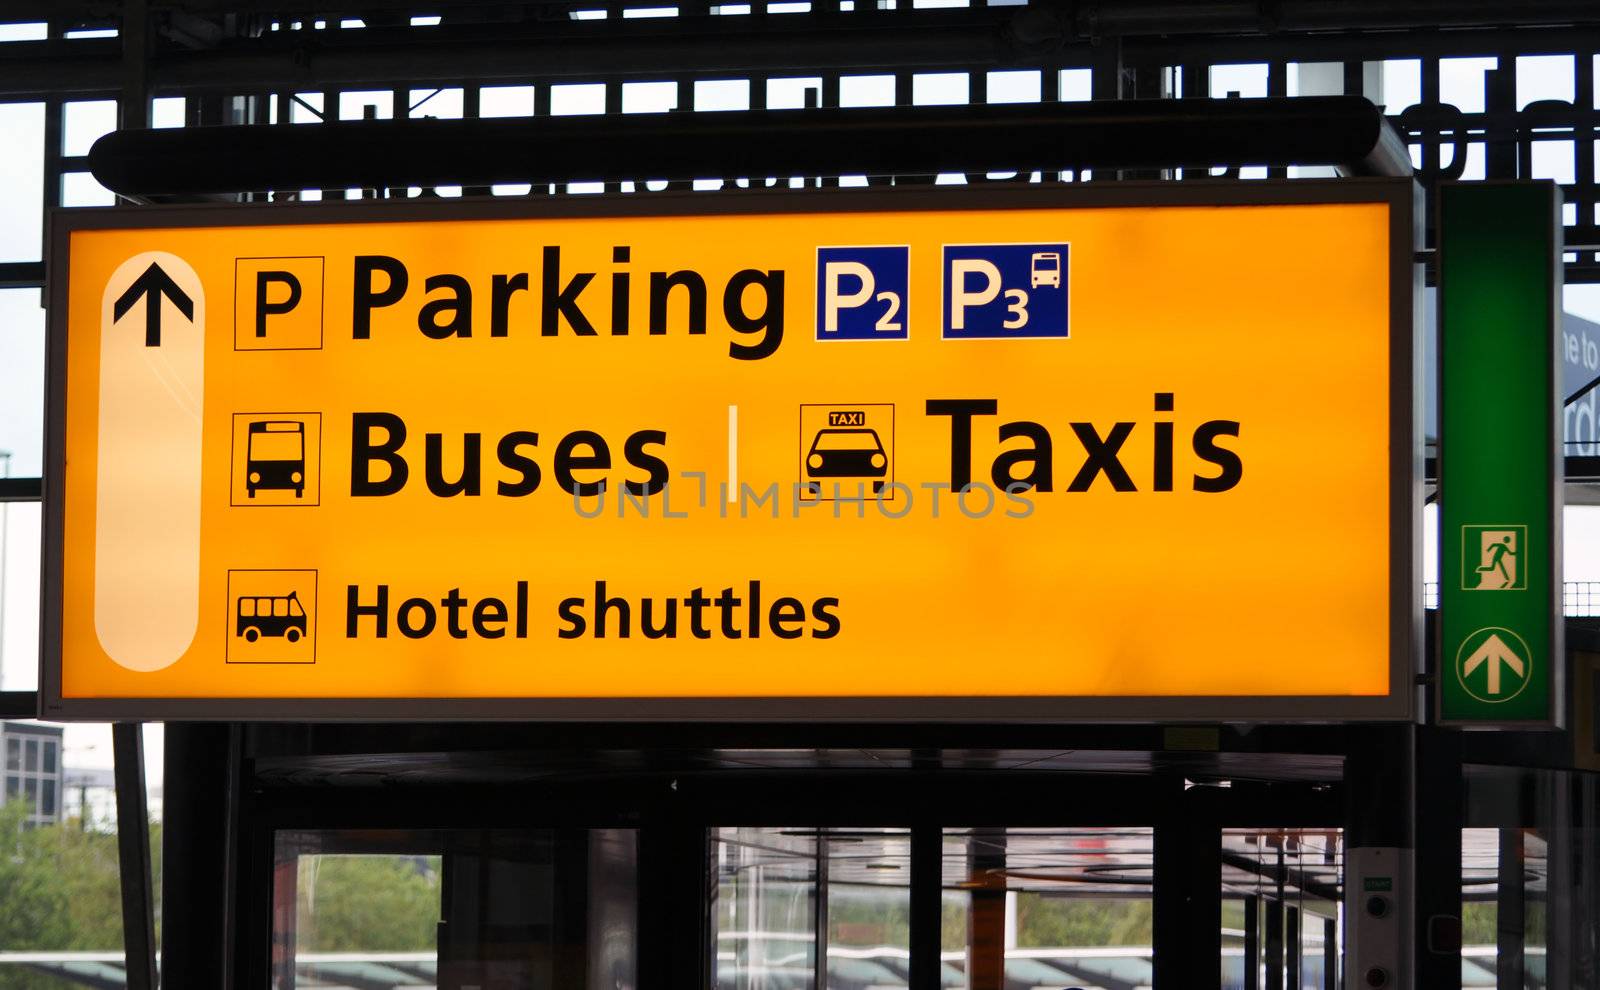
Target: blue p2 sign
[1000, 291]
[861, 293]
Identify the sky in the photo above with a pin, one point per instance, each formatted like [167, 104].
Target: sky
[22, 318]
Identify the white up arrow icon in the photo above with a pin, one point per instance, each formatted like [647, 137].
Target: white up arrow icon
[1494, 652]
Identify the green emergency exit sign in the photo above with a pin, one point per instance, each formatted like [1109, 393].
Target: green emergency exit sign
[1500, 650]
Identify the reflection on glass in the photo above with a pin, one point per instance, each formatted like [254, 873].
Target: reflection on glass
[547, 909]
[1047, 907]
[770, 912]
[763, 910]
[1282, 902]
[1020, 908]
[1505, 921]
[20, 541]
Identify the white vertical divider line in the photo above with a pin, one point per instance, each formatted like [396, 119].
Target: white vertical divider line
[733, 454]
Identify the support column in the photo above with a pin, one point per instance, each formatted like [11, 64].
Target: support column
[1438, 858]
[133, 849]
[674, 877]
[1187, 899]
[1380, 840]
[194, 863]
[927, 851]
[986, 921]
[1510, 931]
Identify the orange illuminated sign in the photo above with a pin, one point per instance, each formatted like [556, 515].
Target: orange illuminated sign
[1120, 453]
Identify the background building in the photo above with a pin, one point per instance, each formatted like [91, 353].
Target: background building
[33, 768]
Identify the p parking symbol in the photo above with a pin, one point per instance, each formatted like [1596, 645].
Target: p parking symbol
[277, 304]
[862, 293]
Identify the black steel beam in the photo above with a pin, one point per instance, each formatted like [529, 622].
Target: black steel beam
[19, 704]
[1109, 18]
[133, 849]
[21, 274]
[823, 42]
[194, 855]
[927, 869]
[21, 489]
[1302, 879]
[289, 61]
[1333, 130]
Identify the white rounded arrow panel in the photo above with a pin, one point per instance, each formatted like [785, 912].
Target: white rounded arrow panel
[147, 503]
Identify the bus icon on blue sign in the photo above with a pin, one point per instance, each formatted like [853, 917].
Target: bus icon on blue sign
[1003, 291]
[862, 292]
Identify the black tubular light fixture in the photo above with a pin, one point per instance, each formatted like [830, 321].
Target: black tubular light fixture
[1347, 132]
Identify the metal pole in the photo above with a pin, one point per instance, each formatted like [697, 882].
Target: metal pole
[133, 847]
[819, 974]
[927, 852]
[5, 520]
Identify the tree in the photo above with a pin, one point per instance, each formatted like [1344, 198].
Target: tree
[34, 909]
[60, 890]
[1051, 922]
[368, 903]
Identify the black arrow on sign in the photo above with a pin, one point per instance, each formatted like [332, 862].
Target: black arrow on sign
[152, 285]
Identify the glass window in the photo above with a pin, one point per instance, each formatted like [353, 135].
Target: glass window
[1530, 897]
[1077, 84]
[866, 91]
[1282, 906]
[763, 908]
[1544, 77]
[940, 88]
[1022, 86]
[542, 908]
[1461, 82]
[1059, 907]
[247, 608]
[792, 94]
[1244, 80]
[1554, 160]
[505, 101]
[366, 105]
[30, 31]
[47, 798]
[21, 370]
[576, 98]
[83, 122]
[441, 104]
[13, 754]
[1313, 79]
[21, 186]
[868, 901]
[722, 94]
[82, 189]
[649, 97]
[30, 758]
[306, 108]
[169, 111]
[1402, 84]
[47, 756]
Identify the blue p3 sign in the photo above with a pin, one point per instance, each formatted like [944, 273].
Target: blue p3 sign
[1000, 291]
[862, 293]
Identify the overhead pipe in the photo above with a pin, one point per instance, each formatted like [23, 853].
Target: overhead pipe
[1347, 132]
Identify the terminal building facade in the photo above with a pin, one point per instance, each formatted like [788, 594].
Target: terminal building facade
[813, 495]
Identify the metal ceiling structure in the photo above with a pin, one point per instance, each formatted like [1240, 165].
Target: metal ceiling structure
[250, 61]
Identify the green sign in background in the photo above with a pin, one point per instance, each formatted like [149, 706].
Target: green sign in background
[1499, 459]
